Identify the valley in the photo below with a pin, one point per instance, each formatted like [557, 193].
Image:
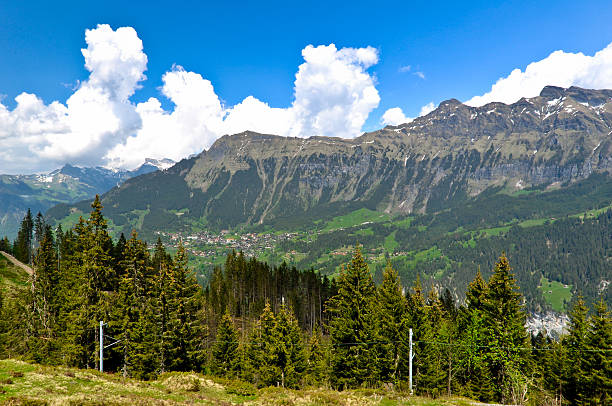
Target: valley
[439, 197]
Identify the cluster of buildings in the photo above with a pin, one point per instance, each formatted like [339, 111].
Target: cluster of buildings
[210, 244]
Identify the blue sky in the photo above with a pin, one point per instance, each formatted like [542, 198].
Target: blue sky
[254, 48]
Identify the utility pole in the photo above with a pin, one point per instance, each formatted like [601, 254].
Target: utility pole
[409, 363]
[102, 347]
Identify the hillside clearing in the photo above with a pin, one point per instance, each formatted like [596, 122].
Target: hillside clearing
[23, 383]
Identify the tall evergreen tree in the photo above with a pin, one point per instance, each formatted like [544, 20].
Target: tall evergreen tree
[392, 306]
[39, 229]
[44, 294]
[414, 318]
[598, 359]
[188, 335]
[576, 344]
[503, 307]
[317, 366]
[23, 244]
[132, 319]
[476, 339]
[261, 349]
[289, 351]
[431, 367]
[225, 352]
[353, 325]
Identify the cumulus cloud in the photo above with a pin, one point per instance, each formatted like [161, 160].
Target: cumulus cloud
[395, 115]
[563, 69]
[95, 117]
[333, 96]
[426, 109]
[98, 124]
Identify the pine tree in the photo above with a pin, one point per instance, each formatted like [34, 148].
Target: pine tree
[392, 305]
[504, 314]
[289, 352]
[39, 229]
[598, 359]
[261, 350]
[185, 301]
[353, 325]
[132, 320]
[316, 371]
[44, 295]
[164, 295]
[226, 355]
[431, 367]
[476, 339]
[23, 244]
[576, 344]
[448, 335]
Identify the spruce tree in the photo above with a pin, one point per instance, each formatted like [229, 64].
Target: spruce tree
[289, 352]
[414, 318]
[431, 366]
[164, 299]
[476, 338]
[133, 321]
[185, 303]
[225, 352]
[23, 244]
[44, 294]
[392, 307]
[353, 326]
[503, 307]
[576, 344]
[261, 351]
[317, 369]
[598, 360]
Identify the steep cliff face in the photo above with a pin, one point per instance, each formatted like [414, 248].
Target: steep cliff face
[447, 156]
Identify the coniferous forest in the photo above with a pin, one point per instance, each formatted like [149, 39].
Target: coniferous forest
[280, 326]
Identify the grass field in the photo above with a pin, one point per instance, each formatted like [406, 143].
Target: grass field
[10, 275]
[556, 294]
[29, 384]
[355, 218]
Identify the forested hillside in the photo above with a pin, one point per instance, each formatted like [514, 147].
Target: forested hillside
[276, 326]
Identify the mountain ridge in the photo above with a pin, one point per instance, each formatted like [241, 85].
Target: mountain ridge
[67, 184]
[454, 153]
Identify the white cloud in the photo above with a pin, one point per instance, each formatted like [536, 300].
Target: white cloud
[563, 69]
[405, 68]
[420, 74]
[333, 95]
[426, 109]
[98, 124]
[395, 115]
[95, 117]
[333, 92]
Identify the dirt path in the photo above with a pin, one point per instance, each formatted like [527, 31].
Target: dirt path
[18, 263]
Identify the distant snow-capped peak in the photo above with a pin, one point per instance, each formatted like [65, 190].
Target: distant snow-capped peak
[161, 164]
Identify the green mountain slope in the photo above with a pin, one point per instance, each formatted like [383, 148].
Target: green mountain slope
[476, 173]
[66, 185]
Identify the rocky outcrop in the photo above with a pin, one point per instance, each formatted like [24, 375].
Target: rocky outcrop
[455, 152]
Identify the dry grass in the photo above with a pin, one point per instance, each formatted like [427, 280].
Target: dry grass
[28, 384]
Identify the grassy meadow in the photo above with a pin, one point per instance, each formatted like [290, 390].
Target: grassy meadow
[22, 383]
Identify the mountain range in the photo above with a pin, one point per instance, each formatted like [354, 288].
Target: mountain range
[451, 155]
[440, 196]
[68, 184]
